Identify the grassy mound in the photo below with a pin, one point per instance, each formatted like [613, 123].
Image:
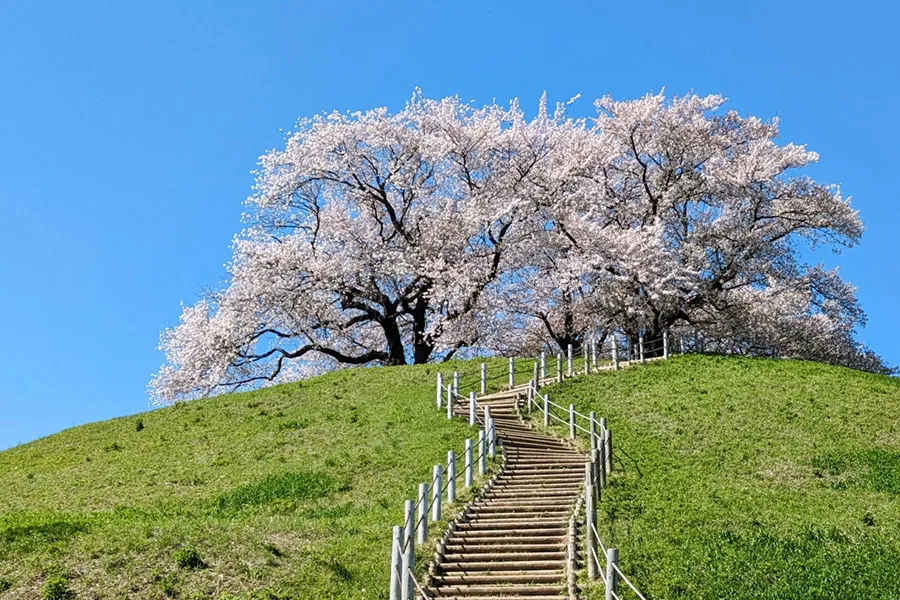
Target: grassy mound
[286, 492]
[750, 478]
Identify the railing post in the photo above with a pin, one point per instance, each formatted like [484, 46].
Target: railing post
[615, 352]
[482, 452]
[641, 346]
[450, 403]
[601, 466]
[395, 563]
[456, 382]
[607, 436]
[559, 369]
[440, 390]
[569, 361]
[546, 410]
[483, 378]
[593, 355]
[543, 367]
[572, 421]
[593, 427]
[437, 490]
[681, 342]
[584, 355]
[590, 549]
[470, 463]
[512, 373]
[534, 375]
[597, 470]
[491, 432]
[408, 560]
[422, 514]
[472, 408]
[530, 396]
[451, 476]
[612, 576]
[665, 344]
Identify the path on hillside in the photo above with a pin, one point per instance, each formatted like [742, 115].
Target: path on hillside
[512, 543]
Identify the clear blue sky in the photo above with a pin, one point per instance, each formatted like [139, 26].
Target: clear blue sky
[128, 132]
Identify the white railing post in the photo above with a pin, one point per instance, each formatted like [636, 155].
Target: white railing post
[483, 378]
[408, 559]
[456, 382]
[681, 342]
[546, 410]
[572, 421]
[534, 375]
[584, 355]
[590, 549]
[472, 407]
[512, 373]
[422, 514]
[641, 346]
[593, 355]
[569, 361]
[599, 482]
[440, 390]
[530, 396]
[665, 344]
[470, 463]
[615, 352]
[482, 452]
[612, 576]
[607, 438]
[491, 432]
[592, 416]
[559, 369]
[543, 367]
[437, 490]
[451, 477]
[396, 578]
[450, 403]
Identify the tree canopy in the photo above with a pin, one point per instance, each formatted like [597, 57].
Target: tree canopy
[392, 238]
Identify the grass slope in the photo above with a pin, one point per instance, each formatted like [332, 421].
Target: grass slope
[750, 478]
[287, 492]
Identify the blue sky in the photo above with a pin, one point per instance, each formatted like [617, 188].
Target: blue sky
[128, 132]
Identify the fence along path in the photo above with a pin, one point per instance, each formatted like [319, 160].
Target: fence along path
[519, 539]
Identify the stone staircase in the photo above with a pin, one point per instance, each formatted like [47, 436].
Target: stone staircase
[513, 542]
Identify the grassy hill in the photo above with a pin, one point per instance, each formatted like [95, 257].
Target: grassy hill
[287, 492]
[751, 478]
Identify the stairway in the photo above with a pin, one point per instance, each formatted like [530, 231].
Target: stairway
[512, 543]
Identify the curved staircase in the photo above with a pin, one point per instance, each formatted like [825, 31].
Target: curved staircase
[512, 543]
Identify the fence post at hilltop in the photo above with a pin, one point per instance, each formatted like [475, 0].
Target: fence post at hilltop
[641, 346]
[665, 344]
[395, 563]
[451, 476]
[559, 371]
[612, 576]
[483, 378]
[569, 361]
[422, 514]
[534, 375]
[531, 385]
[440, 390]
[615, 352]
[408, 560]
[572, 421]
[456, 382]
[472, 407]
[491, 432]
[512, 376]
[589, 515]
[482, 452]
[593, 355]
[543, 367]
[437, 490]
[546, 410]
[681, 342]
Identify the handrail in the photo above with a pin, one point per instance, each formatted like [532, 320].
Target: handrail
[625, 579]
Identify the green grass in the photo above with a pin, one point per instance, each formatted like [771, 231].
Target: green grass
[287, 492]
[750, 478]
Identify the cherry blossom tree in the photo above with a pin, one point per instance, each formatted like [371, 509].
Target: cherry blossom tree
[395, 238]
